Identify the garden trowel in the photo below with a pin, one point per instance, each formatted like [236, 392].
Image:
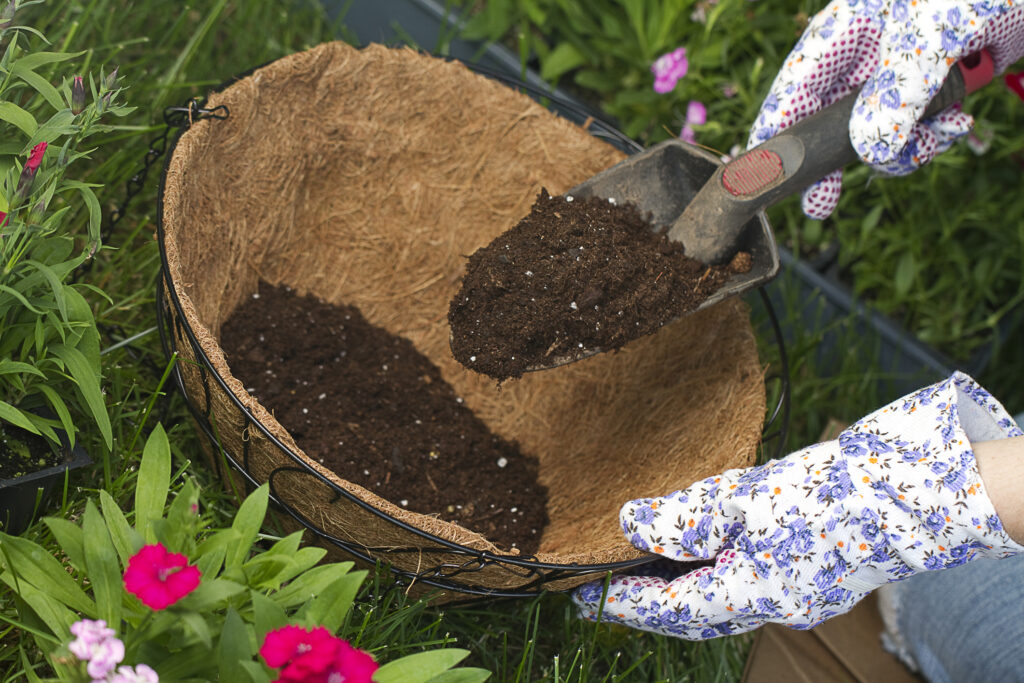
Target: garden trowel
[716, 209]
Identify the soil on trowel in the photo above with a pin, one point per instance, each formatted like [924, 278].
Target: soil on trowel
[574, 276]
[368, 406]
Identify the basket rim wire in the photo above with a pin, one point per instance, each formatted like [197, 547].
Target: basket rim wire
[440, 576]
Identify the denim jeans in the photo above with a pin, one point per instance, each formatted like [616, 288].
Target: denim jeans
[962, 624]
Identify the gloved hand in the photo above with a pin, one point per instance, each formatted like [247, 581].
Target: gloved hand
[898, 53]
[804, 538]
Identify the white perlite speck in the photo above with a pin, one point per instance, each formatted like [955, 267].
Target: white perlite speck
[568, 197]
[472, 359]
[573, 306]
[502, 462]
[404, 502]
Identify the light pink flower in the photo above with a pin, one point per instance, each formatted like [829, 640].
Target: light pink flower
[159, 578]
[315, 656]
[696, 115]
[140, 674]
[96, 644]
[668, 69]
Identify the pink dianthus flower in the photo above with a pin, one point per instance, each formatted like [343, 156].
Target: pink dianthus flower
[315, 656]
[668, 69]
[159, 578]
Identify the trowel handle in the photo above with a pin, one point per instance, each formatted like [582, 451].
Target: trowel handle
[791, 161]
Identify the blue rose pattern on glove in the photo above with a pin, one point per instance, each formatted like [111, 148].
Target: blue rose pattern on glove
[804, 538]
[898, 53]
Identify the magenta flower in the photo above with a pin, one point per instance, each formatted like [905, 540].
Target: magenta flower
[28, 173]
[315, 656]
[159, 578]
[98, 645]
[668, 69]
[140, 674]
[1015, 82]
[696, 115]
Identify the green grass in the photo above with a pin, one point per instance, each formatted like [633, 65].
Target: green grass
[169, 52]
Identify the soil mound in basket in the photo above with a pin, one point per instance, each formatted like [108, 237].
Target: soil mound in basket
[575, 275]
[368, 406]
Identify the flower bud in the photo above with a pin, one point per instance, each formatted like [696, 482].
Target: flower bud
[111, 81]
[7, 16]
[77, 96]
[28, 173]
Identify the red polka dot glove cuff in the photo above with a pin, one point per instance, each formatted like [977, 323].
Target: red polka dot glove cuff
[897, 53]
[804, 538]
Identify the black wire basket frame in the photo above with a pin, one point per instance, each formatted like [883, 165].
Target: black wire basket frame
[447, 576]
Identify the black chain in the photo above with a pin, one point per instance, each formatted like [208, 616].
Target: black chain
[174, 118]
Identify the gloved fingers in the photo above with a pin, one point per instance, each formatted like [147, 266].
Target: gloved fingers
[911, 69]
[1003, 37]
[820, 199]
[836, 53]
[684, 525]
[928, 139]
[695, 606]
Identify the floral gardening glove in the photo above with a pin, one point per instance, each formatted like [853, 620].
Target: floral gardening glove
[804, 538]
[898, 53]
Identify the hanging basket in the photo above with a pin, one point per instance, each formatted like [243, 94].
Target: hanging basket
[365, 177]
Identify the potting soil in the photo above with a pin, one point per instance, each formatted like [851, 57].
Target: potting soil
[23, 453]
[368, 406]
[573, 276]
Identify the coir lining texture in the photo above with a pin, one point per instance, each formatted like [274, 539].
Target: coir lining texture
[366, 177]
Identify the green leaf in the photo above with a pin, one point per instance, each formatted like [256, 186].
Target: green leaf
[267, 615]
[210, 594]
[197, 623]
[247, 523]
[101, 565]
[30, 672]
[565, 57]
[33, 564]
[234, 647]
[8, 367]
[126, 540]
[35, 60]
[465, 675]
[257, 672]
[21, 299]
[182, 520]
[60, 124]
[88, 383]
[18, 117]
[56, 286]
[331, 605]
[310, 584]
[16, 417]
[69, 538]
[906, 270]
[419, 667]
[93, 204]
[38, 83]
[56, 402]
[57, 617]
[153, 482]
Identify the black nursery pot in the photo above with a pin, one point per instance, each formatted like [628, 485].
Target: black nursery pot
[22, 498]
